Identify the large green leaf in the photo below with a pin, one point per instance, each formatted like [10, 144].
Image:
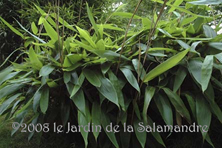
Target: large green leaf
[149, 93]
[203, 114]
[164, 108]
[108, 90]
[206, 71]
[96, 118]
[36, 63]
[83, 120]
[130, 78]
[217, 45]
[105, 122]
[168, 64]
[50, 31]
[179, 78]
[92, 77]
[194, 67]
[115, 81]
[46, 70]
[178, 104]
[209, 32]
[141, 135]
[44, 100]
[79, 100]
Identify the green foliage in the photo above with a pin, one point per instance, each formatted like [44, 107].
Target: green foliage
[175, 76]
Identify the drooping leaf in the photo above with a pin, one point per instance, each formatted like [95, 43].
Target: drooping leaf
[46, 70]
[206, 71]
[96, 118]
[178, 104]
[92, 77]
[180, 76]
[194, 67]
[36, 63]
[44, 100]
[141, 135]
[34, 28]
[79, 100]
[105, 122]
[164, 108]
[114, 80]
[209, 32]
[217, 45]
[203, 114]
[130, 78]
[108, 90]
[149, 93]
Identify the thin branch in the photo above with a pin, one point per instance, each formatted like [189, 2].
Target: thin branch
[127, 29]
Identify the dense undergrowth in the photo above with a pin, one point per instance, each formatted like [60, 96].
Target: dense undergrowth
[167, 71]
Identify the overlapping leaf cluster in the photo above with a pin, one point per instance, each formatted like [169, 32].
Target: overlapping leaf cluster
[78, 76]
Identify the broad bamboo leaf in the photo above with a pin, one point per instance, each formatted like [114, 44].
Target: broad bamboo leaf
[34, 28]
[105, 122]
[194, 67]
[79, 100]
[46, 70]
[115, 81]
[130, 78]
[178, 104]
[50, 31]
[164, 108]
[168, 64]
[141, 135]
[44, 100]
[108, 90]
[192, 104]
[217, 45]
[83, 120]
[149, 93]
[155, 134]
[96, 119]
[92, 77]
[203, 114]
[209, 32]
[78, 85]
[36, 63]
[179, 78]
[139, 68]
[206, 71]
